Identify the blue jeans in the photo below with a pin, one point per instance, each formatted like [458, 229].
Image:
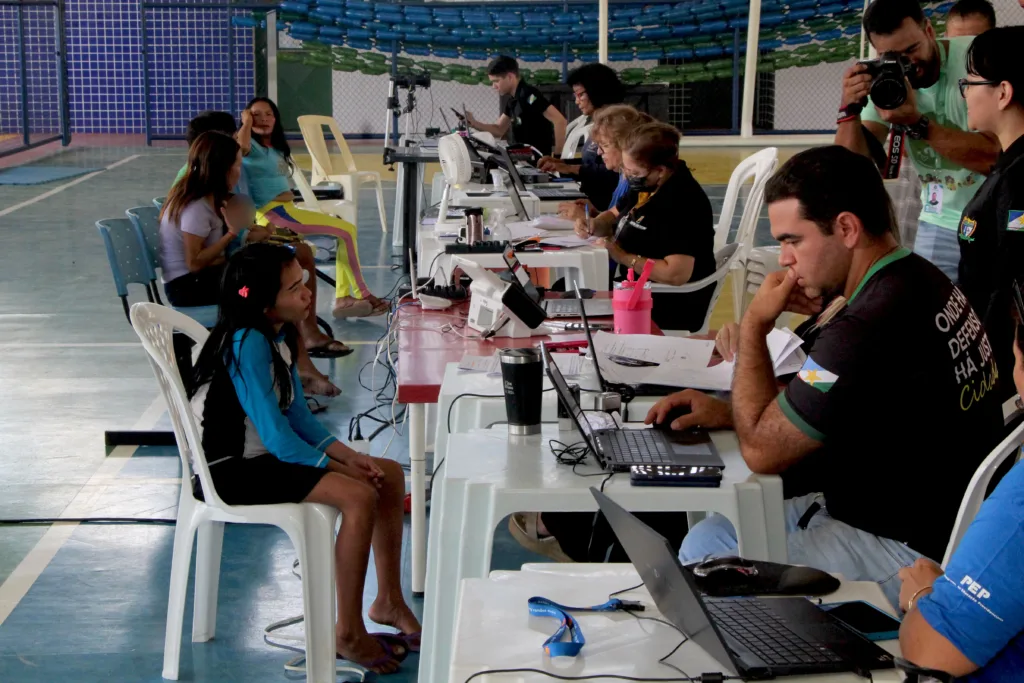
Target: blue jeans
[940, 246]
[826, 544]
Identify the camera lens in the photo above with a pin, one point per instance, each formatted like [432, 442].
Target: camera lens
[888, 92]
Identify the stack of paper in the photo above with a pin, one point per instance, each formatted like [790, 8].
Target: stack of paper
[682, 362]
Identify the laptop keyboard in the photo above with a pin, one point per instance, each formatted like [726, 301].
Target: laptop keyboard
[762, 632]
[636, 447]
[557, 194]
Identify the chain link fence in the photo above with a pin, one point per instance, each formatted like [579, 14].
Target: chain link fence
[33, 96]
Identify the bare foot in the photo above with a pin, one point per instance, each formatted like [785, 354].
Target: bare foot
[394, 613]
[366, 652]
[319, 385]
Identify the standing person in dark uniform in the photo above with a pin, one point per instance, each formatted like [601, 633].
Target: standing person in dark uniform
[534, 120]
[594, 86]
[991, 233]
[666, 218]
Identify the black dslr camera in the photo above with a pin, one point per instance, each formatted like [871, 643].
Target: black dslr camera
[889, 85]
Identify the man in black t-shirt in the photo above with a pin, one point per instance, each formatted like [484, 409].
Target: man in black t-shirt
[532, 118]
[897, 402]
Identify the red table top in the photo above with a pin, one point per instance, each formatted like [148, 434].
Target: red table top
[424, 350]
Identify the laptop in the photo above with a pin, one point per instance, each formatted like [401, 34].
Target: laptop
[634, 389]
[749, 637]
[570, 308]
[543, 193]
[617, 449]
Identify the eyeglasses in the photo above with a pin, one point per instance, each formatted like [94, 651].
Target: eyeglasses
[965, 83]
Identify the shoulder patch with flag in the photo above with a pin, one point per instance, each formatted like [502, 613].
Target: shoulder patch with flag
[1015, 221]
[816, 376]
[531, 99]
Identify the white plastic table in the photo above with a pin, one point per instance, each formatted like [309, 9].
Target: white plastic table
[488, 475]
[493, 629]
[589, 264]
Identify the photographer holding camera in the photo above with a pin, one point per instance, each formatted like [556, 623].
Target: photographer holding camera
[912, 89]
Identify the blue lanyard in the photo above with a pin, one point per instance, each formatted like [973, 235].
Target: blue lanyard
[555, 646]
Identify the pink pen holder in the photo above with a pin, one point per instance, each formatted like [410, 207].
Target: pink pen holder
[632, 320]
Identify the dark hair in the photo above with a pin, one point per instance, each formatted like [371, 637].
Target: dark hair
[828, 181]
[501, 65]
[210, 120]
[994, 55]
[277, 137]
[210, 158]
[982, 8]
[256, 270]
[601, 83]
[884, 17]
[653, 144]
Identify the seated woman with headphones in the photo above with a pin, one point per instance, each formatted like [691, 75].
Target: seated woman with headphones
[666, 219]
[201, 222]
[268, 168]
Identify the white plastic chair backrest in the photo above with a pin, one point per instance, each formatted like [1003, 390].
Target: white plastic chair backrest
[155, 326]
[758, 166]
[302, 185]
[574, 141]
[312, 128]
[580, 120]
[976, 490]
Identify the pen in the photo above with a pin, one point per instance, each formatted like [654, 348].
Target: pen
[590, 224]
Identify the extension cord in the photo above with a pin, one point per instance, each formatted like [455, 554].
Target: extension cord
[434, 303]
[360, 446]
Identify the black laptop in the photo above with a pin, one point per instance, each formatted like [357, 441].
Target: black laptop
[753, 638]
[617, 449]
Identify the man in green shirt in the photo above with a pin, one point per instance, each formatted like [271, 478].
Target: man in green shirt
[951, 161]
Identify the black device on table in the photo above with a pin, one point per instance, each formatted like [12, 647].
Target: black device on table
[865, 619]
[630, 390]
[543, 193]
[749, 637]
[675, 475]
[617, 449]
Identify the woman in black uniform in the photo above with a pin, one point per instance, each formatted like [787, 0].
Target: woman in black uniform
[664, 218]
[991, 233]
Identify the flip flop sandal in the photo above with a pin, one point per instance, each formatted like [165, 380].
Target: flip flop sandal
[326, 352]
[359, 309]
[523, 527]
[382, 308]
[412, 640]
[393, 644]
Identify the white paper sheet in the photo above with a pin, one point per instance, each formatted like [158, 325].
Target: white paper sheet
[680, 352]
[570, 241]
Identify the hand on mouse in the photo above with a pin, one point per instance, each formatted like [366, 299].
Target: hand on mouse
[705, 411]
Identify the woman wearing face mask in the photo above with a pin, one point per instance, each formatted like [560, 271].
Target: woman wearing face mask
[268, 166]
[664, 219]
[991, 231]
[595, 86]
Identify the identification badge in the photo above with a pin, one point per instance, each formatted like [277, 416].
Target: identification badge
[933, 201]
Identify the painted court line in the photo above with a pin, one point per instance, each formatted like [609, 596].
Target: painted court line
[32, 565]
[61, 188]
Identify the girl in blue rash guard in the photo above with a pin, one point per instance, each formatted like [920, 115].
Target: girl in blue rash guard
[263, 446]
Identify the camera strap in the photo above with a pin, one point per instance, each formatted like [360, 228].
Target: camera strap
[894, 159]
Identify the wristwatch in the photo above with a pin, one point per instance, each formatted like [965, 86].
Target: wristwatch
[919, 130]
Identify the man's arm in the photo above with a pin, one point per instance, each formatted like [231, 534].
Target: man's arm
[974, 151]
[924, 646]
[850, 134]
[498, 129]
[769, 442]
[558, 121]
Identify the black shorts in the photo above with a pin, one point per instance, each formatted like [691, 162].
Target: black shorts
[196, 289]
[263, 480]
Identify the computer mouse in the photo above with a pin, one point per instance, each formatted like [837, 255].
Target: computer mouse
[674, 414]
[725, 564]
[806, 581]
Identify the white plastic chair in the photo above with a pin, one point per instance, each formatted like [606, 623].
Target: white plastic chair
[342, 208]
[580, 120]
[343, 170]
[574, 140]
[725, 258]
[975, 495]
[310, 527]
[760, 167]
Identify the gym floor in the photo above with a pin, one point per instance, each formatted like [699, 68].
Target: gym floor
[88, 602]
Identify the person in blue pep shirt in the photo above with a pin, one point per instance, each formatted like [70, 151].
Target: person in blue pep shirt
[969, 620]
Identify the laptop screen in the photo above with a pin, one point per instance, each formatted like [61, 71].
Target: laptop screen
[562, 389]
[671, 587]
[590, 337]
